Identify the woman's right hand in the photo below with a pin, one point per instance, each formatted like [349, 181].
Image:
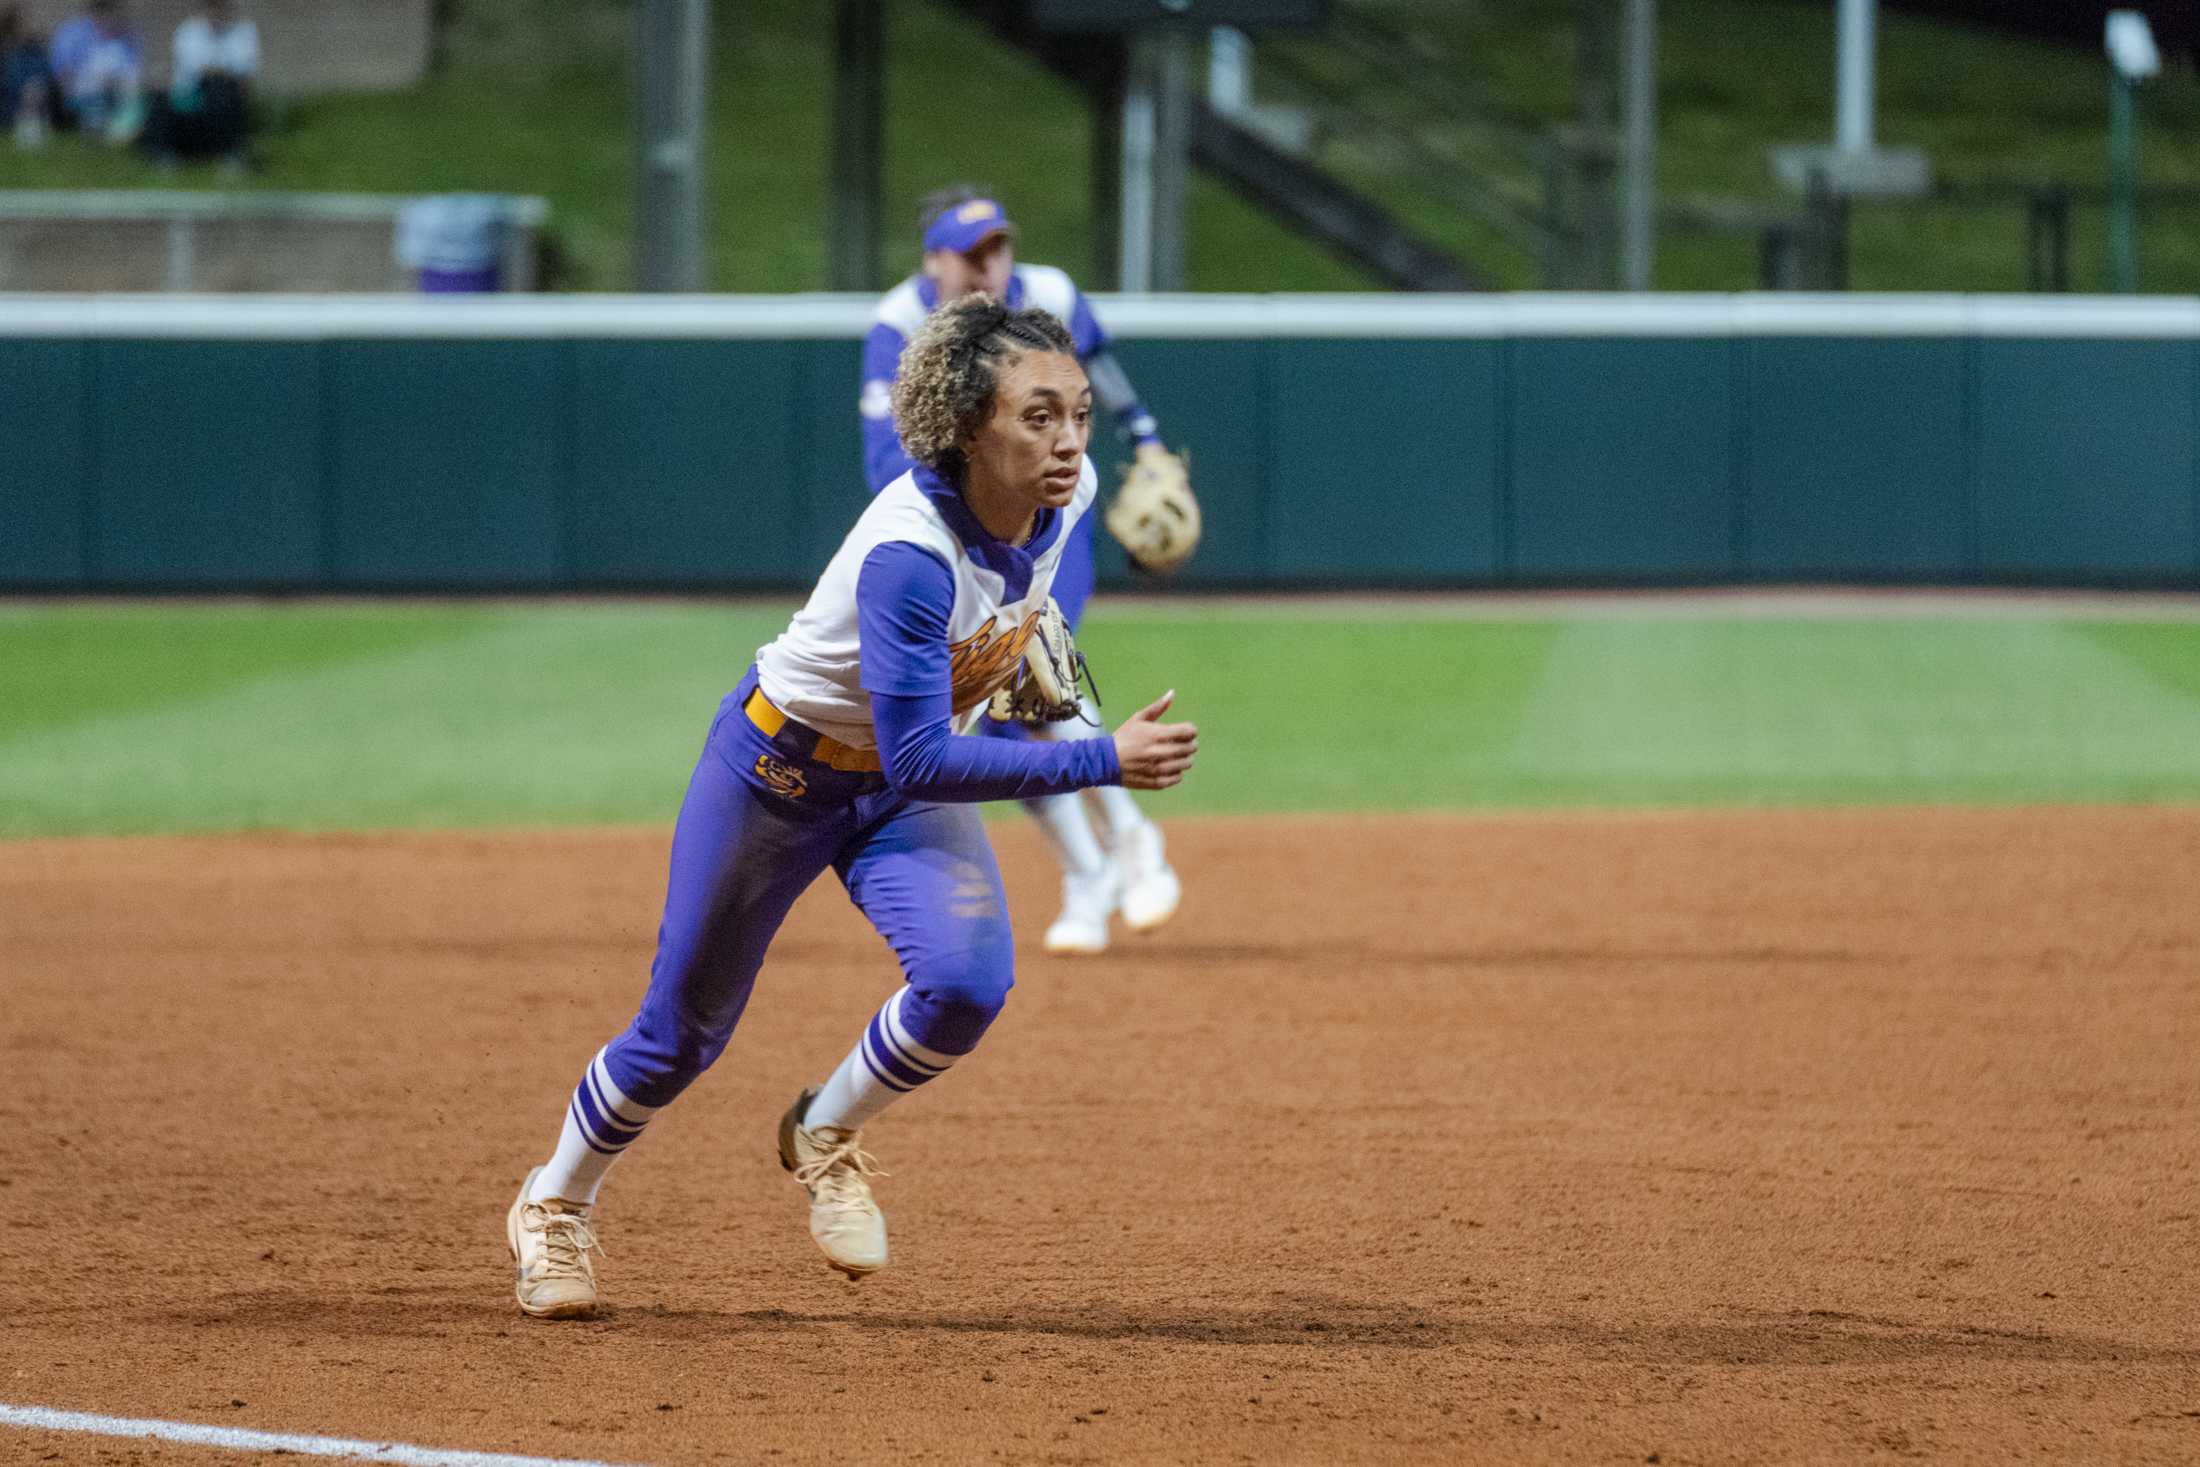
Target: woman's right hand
[1153, 754]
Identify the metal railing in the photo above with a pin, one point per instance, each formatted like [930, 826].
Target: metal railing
[162, 240]
[2051, 248]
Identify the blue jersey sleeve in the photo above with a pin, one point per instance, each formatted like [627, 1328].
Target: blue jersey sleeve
[904, 596]
[72, 43]
[1084, 326]
[883, 459]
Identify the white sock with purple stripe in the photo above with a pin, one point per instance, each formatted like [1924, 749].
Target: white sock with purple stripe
[600, 1123]
[885, 1065]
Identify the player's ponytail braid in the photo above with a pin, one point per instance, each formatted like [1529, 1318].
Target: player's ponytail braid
[951, 367]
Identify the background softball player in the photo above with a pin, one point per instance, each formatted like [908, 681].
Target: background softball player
[822, 757]
[969, 245]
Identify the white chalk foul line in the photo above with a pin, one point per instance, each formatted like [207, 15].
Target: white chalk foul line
[230, 1438]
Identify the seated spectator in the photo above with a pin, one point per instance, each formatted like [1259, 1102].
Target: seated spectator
[26, 83]
[207, 112]
[100, 69]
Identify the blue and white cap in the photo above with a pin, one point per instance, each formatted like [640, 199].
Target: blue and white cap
[963, 227]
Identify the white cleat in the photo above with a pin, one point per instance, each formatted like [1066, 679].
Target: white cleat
[1088, 901]
[844, 1218]
[1151, 892]
[550, 1243]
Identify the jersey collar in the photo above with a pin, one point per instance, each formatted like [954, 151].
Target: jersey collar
[1012, 563]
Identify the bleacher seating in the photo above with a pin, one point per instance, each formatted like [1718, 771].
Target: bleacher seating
[310, 45]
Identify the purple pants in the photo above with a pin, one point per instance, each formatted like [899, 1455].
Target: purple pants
[742, 852]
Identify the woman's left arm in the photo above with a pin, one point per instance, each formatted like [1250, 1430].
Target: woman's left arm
[903, 597]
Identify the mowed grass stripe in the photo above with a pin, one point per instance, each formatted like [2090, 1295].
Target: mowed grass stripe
[64, 665]
[1855, 712]
[391, 716]
[1316, 714]
[2167, 653]
[534, 714]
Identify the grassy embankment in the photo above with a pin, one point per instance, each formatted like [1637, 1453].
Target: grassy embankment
[533, 96]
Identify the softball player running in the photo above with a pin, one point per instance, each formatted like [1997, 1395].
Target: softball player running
[846, 746]
[969, 245]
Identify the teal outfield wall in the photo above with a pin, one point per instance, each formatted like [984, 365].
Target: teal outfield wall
[1432, 444]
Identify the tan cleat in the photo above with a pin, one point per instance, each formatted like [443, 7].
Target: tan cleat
[550, 1243]
[834, 1170]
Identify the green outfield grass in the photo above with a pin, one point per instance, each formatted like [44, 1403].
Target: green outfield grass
[144, 717]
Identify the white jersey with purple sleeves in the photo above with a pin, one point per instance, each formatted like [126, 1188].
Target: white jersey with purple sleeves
[902, 312]
[812, 670]
[1051, 290]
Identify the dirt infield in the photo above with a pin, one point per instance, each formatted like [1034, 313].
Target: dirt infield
[1661, 1138]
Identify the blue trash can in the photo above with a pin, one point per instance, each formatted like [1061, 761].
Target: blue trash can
[453, 242]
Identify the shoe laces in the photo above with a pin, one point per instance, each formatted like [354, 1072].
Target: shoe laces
[837, 1174]
[567, 1240]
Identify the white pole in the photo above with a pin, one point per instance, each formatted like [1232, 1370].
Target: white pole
[1638, 222]
[672, 56]
[1229, 70]
[1172, 153]
[1855, 50]
[1135, 207]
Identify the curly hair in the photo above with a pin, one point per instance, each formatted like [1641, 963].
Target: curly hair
[951, 368]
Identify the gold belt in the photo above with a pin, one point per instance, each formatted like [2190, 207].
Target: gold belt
[805, 742]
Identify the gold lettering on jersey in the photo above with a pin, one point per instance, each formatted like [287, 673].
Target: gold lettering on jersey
[981, 663]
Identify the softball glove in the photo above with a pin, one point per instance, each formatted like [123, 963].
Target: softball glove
[1044, 688]
[1154, 514]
